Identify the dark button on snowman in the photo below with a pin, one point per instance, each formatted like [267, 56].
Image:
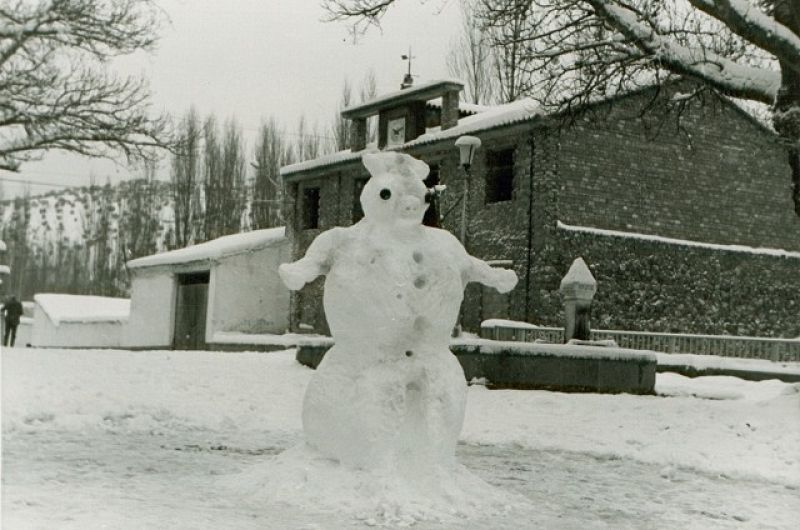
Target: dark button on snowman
[390, 392]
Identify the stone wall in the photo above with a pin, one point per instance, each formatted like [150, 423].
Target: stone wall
[653, 286]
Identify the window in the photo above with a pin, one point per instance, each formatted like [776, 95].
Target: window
[432, 213]
[310, 208]
[358, 187]
[499, 175]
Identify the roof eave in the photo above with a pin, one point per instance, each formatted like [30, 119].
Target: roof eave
[203, 263]
[314, 171]
[424, 93]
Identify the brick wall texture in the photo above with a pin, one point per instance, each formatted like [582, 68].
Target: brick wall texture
[708, 174]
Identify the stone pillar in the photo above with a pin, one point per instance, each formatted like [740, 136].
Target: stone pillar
[290, 190]
[449, 109]
[577, 289]
[537, 167]
[358, 134]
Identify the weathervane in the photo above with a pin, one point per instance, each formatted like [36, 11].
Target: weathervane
[408, 80]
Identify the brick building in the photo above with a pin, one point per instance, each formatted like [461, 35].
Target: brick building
[685, 220]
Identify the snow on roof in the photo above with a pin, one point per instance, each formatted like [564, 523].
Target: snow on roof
[326, 160]
[78, 308]
[673, 241]
[214, 249]
[467, 108]
[5, 269]
[508, 114]
[424, 91]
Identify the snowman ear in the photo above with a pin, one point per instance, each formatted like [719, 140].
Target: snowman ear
[416, 167]
[375, 163]
[395, 163]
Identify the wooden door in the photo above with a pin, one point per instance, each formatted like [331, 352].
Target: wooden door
[190, 311]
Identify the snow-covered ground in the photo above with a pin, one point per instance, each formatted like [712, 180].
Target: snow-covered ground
[112, 439]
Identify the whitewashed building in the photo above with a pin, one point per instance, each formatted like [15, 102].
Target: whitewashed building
[216, 293]
[75, 321]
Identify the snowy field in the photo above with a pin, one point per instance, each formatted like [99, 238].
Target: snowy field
[132, 440]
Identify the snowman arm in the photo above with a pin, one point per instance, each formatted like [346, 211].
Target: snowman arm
[501, 279]
[316, 262]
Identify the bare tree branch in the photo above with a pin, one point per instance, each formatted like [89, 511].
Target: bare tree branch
[750, 23]
[470, 58]
[567, 52]
[362, 13]
[734, 79]
[56, 91]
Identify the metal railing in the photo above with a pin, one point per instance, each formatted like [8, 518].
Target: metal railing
[722, 345]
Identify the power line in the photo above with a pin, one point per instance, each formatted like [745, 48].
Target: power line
[40, 183]
[304, 135]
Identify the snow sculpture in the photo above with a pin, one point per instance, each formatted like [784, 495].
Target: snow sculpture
[390, 394]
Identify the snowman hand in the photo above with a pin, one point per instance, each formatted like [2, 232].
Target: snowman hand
[501, 279]
[292, 275]
[316, 262]
[504, 280]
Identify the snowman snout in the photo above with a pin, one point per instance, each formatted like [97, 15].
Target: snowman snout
[409, 203]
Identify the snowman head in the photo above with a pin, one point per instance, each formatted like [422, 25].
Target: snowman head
[395, 194]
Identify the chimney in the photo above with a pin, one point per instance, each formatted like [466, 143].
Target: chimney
[449, 109]
[408, 82]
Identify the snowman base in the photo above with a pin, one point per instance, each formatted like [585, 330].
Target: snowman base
[303, 478]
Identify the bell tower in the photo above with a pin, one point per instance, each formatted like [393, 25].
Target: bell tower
[401, 114]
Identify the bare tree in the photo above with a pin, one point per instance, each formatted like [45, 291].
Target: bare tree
[270, 155]
[506, 32]
[232, 176]
[99, 242]
[578, 49]
[185, 176]
[369, 90]
[470, 58]
[139, 223]
[224, 169]
[56, 90]
[308, 141]
[341, 127]
[15, 235]
[212, 185]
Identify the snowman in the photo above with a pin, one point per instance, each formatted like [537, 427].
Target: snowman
[389, 394]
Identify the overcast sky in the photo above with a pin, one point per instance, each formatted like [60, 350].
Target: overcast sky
[256, 58]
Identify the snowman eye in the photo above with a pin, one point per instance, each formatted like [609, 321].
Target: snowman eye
[386, 194]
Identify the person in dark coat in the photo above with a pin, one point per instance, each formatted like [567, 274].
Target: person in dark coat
[12, 310]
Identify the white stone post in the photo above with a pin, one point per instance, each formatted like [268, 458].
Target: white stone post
[578, 288]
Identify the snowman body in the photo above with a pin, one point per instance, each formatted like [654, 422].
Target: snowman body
[389, 393]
